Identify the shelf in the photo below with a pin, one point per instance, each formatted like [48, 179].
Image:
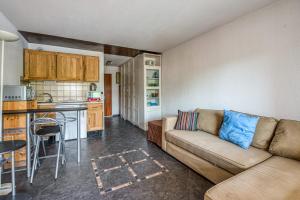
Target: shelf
[152, 106]
[152, 65]
[153, 88]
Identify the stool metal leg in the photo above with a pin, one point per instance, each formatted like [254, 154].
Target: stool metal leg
[43, 144]
[58, 155]
[37, 157]
[13, 178]
[63, 143]
[63, 159]
[0, 176]
[36, 151]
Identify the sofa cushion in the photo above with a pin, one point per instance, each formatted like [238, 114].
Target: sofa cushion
[187, 121]
[286, 142]
[264, 133]
[219, 152]
[238, 128]
[210, 120]
[275, 179]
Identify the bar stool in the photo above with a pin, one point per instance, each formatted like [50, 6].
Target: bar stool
[46, 127]
[10, 147]
[64, 120]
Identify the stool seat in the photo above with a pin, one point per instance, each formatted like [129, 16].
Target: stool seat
[13, 145]
[2, 161]
[48, 129]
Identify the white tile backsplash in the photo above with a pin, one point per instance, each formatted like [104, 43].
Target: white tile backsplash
[61, 91]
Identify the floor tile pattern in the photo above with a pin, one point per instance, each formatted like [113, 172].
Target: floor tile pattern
[138, 163]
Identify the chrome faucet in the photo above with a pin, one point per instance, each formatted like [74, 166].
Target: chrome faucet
[50, 100]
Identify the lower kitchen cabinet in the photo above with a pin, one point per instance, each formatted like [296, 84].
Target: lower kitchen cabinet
[45, 106]
[95, 116]
[14, 128]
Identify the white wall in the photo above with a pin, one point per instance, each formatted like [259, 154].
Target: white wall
[13, 54]
[100, 84]
[251, 65]
[115, 88]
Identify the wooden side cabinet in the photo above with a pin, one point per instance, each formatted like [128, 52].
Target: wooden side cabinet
[91, 68]
[154, 133]
[39, 65]
[14, 127]
[69, 67]
[95, 116]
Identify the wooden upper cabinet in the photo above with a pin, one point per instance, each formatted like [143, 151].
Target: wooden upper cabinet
[91, 68]
[45, 65]
[39, 65]
[69, 67]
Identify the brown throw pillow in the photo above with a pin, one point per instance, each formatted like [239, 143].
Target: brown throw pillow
[286, 142]
[210, 120]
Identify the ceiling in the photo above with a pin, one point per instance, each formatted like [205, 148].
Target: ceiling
[154, 25]
[116, 60]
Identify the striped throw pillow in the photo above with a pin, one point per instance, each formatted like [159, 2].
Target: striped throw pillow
[187, 121]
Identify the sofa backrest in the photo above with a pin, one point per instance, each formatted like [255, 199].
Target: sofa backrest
[286, 142]
[264, 132]
[210, 120]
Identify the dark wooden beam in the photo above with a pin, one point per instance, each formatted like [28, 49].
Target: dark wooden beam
[60, 41]
[81, 44]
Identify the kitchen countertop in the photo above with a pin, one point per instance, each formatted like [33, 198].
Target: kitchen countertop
[69, 103]
[42, 110]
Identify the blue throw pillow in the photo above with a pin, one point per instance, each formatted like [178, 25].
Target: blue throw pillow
[238, 128]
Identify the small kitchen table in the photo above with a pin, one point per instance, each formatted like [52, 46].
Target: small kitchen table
[28, 113]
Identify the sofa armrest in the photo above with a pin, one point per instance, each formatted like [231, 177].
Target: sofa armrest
[167, 125]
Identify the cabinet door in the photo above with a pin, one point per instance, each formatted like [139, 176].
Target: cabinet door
[95, 121]
[91, 68]
[20, 155]
[69, 67]
[16, 121]
[14, 127]
[95, 117]
[39, 65]
[92, 118]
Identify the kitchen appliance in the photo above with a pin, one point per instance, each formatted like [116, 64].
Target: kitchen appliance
[71, 127]
[94, 96]
[93, 87]
[18, 93]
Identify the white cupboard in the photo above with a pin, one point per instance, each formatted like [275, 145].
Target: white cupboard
[141, 89]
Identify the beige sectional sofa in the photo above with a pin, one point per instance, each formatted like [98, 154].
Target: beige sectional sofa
[256, 173]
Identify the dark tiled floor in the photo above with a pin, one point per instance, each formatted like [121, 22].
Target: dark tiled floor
[78, 181]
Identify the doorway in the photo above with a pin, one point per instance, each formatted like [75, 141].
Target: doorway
[107, 95]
